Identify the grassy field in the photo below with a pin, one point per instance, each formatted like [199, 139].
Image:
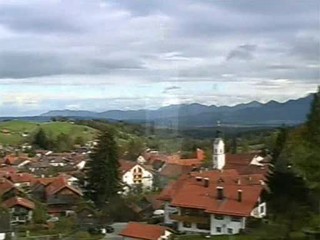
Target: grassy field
[17, 132]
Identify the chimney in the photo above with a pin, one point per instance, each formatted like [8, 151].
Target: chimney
[198, 179]
[239, 195]
[239, 181]
[220, 193]
[206, 182]
[200, 154]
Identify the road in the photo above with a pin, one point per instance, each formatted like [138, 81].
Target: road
[118, 227]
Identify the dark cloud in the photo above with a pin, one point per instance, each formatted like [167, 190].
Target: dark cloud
[181, 41]
[39, 18]
[243, 52]
[170, 89]
[31, 64]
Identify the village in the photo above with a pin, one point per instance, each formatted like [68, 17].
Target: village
[167, 194]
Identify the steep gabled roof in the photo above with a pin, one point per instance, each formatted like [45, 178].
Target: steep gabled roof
[58, 184]
[14, 201]
[5, 186]
[125, 165]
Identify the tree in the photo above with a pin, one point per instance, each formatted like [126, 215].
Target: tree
[103, 170]
[63, 143]
[79, 140]
[313, 121]
[288, 199]
[39, 214]
[279, 143]
[41, 140]
[134, 148]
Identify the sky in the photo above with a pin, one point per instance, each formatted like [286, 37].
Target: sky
[100, 55]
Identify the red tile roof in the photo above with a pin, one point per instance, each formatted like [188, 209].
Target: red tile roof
[143, 231]
[125, 166]
[185, 162]
[44, 181]
[59, 184]
[240, 158]
[5, 186]
[190, 192]
[10, 159]
[241, 162]
[153, 199]
[18, 201]
[21, 177]
[174, 170]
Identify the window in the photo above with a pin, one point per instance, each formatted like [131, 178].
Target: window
[262, 209]
[218, 229]
[236, 219]
[204, 226]
[218, 217]
[186, 224]
[230, 231]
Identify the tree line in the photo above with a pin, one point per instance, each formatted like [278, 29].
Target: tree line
[294, 182]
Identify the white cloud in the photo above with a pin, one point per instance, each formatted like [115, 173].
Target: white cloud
[135, 49]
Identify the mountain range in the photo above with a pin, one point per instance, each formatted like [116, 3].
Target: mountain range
[197, 115]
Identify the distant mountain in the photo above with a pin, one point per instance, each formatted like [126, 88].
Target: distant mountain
[196, 115]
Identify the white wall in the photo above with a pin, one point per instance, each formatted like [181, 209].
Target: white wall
[147, 177]
[218, 156]
[224, 224]
[167, 211]
[192, 229]
[260, 211]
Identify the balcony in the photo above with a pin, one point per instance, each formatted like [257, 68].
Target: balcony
[63, 200]
[190, 218]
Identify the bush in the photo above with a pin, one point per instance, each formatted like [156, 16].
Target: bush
[82, 235]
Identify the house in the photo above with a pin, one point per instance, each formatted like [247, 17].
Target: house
[214, 202]
[194, 162]
[86, 216]
[21, 179]
[5, 226]
[13, 159]
[61, 197]
[244, 163]
[248, 163]
[171, 172]
[141, 231]
[8, 190]
[135, 174]
[38, 188]
[20, 208]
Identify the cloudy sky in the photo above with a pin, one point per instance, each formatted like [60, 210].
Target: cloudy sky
[130, 54]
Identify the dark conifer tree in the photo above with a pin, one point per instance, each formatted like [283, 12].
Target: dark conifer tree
[41, 140]
[313, 121]
[103, 170]
[280, 143]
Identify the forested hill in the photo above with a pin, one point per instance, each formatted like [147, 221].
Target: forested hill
[197, 115]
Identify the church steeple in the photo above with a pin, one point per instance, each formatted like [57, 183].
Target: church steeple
[218, 156]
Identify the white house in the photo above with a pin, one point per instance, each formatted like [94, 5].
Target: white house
[213, 202]
[133, 174]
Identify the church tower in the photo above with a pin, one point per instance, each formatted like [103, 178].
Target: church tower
[218, 156]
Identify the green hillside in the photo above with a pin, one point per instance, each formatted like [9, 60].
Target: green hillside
[17, 132]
